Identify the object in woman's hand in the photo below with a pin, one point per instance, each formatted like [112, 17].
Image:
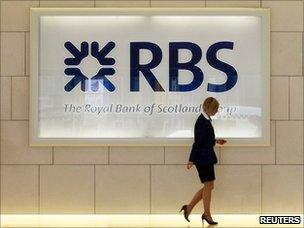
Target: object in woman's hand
[221, 141]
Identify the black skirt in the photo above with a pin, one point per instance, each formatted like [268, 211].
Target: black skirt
[205, 172]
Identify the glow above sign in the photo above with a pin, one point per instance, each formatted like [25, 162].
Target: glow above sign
[139, 76]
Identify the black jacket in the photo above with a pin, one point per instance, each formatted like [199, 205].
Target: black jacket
[202, 151]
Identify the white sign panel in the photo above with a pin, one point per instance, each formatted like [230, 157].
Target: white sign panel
[139, 76]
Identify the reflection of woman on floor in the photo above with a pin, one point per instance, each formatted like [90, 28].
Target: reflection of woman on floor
[203, 157]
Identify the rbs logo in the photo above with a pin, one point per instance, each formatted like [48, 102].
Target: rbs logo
[145, 69]
[79, 55]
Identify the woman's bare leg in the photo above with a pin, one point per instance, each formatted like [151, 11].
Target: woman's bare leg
[209, 185]
[196, 198]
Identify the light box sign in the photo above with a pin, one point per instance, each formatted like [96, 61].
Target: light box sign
[139, 76]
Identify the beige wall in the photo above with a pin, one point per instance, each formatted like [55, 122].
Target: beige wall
[154, 179]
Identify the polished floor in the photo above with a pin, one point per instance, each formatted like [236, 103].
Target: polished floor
[170, 220]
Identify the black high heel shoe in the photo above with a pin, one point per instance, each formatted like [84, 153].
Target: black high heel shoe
[185, 212]
[209, 222]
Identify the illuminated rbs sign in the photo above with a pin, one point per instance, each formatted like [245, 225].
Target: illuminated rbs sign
[138, 76]
[107, 69]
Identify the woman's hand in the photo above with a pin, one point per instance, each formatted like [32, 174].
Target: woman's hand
[189, 165]
[220, 141]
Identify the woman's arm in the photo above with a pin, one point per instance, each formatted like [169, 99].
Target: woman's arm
[199, 136]
[189, 165]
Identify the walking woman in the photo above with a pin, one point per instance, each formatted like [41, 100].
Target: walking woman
[203, 157]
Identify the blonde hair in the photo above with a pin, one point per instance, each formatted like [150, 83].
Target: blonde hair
[210, 104]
